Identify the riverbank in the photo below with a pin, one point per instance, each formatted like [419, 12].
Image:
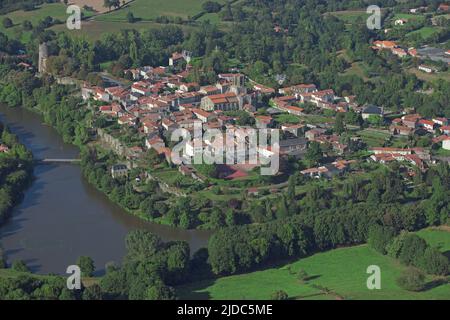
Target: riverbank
[16, 171]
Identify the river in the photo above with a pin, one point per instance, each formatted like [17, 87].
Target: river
[61, 216]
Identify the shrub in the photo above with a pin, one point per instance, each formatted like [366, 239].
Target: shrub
[379, 237]
[20, 266]
[412, 250]
[434, 262]
[86, 265]
[211, 6]
[279, 295]
[7, 23]
[394, 247]
[412, 280]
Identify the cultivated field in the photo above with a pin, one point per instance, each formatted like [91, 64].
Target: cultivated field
[341, 271]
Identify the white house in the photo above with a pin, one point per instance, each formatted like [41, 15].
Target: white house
[446, 144]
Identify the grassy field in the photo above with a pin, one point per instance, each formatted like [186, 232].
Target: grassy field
[341, 271]
[437, 238]
[373, 138]
[351, 16]
[430, 76]
[425, 32]
[150, 9]
[408, 16]
[94, 30]
[54, 10]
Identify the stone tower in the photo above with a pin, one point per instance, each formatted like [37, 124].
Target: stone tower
[43, 55]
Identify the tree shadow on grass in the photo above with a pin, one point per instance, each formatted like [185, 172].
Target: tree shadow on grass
[192, 291]
[435, 283]
[312, 277]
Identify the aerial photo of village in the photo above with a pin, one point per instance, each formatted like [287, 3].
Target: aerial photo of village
[225, 150]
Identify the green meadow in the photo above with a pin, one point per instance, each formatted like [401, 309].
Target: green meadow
[351, 17]
[151, 9]
[425, 32]
[336, 274]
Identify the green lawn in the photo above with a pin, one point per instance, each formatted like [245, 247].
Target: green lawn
[287, 118]
[150, 9]
[436, 238]
[342, 271]
[408, 16]
[373, 138]
[352, 16]
[425, 32]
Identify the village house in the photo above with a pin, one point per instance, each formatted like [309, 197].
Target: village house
[149, 126]
[4, 148]
[315, 172]
[293, 110]
[155, 143]
[385, 44]
[445, 130]
[400, 52]
[312, 134]
[446, 144]
[400, 130]
[329, 170]
[428, 125]
[418, 10]
[135, 73]
[189, 87]
[101, 95]
[297, 89]
[189, 98]
[203, 115]
[264, 90]
[295, 129]
[226, 102]
[168, 125]
[119, 170]
[293, 147]
[441, 121]
[323, 95]
[411, 120]
[427, 69]
[263, 121]
[176, 59]
[127, 119]
[113, 110]
[400, 22]
[209, 90]
[371, 110]
[444, 7]
[142, 88]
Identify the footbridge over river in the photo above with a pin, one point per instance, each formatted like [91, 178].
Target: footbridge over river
[56, 160]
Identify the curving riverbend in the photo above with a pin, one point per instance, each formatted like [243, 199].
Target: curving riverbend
[61, 216]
